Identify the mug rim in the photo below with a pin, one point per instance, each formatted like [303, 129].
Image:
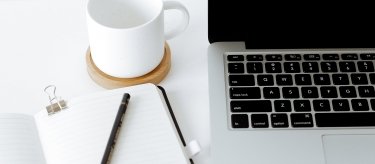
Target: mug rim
[152, 19]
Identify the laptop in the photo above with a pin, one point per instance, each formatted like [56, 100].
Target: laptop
[291, 83]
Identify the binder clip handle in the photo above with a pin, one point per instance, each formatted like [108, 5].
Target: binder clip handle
[56, 103]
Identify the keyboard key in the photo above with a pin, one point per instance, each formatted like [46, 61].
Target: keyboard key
[302, 105]
[303, 79]
[366, 91]
[241, 80]
[290, 92]
[284, 80]
[282, 106]
[372, 78]
[309, 67]
[273, 67]
[309, 92]
[292, 67]
[251, 106]
[340, 79]
[235, 58]
[369, 56]
[328, 92]
[279, 120]
[321, 79]
[331, 57]
[328, 66]
[347, 92]
[271, 92]
[321, 105]
[359, 79]
[372, 101]
[301, 120]
[236, 68]
[259, 121]
[347, 67]
[292, 57]
[311, 57]
[254, 57]
[265, 80]
[240, 121]
[349, 56]
[254, 67]
[274, 57]
[345, 119]
[245, 93]
[365, 66]
[360, 105]
[340, 105]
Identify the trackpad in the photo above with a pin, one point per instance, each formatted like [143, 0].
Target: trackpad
[349, 149]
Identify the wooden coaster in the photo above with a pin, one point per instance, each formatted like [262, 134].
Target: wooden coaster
[110, 82]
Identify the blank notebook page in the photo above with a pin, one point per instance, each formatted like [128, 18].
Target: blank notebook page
[79, 134]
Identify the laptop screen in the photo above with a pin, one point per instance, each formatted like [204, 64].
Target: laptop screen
[307, 24]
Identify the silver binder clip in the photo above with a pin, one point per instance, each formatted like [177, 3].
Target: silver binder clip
[56, 103]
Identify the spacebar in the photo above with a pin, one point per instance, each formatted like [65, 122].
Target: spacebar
[345, 119]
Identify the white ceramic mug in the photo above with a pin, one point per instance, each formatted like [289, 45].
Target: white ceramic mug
[127, 36]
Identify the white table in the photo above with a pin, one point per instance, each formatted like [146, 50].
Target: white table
[44, 42]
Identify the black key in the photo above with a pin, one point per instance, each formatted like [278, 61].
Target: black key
[303, 79]
[241, 80]
[292, 67]
[328, 92]
[245, 93]
[254, 57]
[366, 91]
[360, 105]
[340, 79]
[290, 92]
[347, 67]
[322, 79]
[254, 67]
[345, 119]
[301, 120]
[251, 106]
[282, 106]
[372, 101]
[331, 57]
[369, 56]
[349, 56]
[273, 67]
[328, 66]
[321, 105]
[279, 120]
[365, 66]
[309, 67]
[340, 105]
[359, 79]
[271, 92]
[235, 58]
[284, 80]
[311, 57]
[302, 105]
[259, 121]
[236, 68]
[292, 57]
[372, 78]
[347, 92]
[309, 92]
[265, 80]
[240, 121]
[274, 57]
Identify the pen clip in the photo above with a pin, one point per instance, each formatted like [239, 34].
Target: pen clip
[56, 103]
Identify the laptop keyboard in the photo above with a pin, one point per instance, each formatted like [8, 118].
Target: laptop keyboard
[300, 90]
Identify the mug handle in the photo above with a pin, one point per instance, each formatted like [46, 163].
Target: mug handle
[169, 5]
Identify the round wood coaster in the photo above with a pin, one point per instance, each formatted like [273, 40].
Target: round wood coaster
[110, 82]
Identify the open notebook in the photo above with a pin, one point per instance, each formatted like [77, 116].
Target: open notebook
[79, 134]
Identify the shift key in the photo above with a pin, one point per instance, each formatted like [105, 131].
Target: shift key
[244, 93]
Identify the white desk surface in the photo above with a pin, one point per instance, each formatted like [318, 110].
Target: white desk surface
[44, 42]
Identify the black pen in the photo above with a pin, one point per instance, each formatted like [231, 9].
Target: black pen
[115, 129]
